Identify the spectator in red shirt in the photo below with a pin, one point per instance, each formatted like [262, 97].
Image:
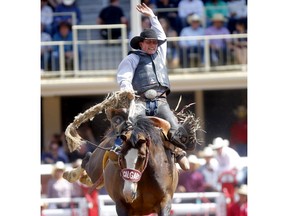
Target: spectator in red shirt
[238, 131]
[240, 208]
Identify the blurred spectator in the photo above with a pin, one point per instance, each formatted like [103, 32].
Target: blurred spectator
[215, 7]
[237, 12]
[172, 46]
[112, 14]
[238, 131]
[209, 169]
[61, 140]
[240, 44]
[54, 3]
[189, 47]
[46, 16]
[189, 7]
[191, 180]
[172, 16]
[150, 3]
[67, 6]
[218, 47]
[228, 159]
[145, 24]
[45, 50]
[58, 187]
[64, 34]
[52, 156]
[240, 208]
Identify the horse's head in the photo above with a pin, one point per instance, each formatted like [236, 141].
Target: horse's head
[133, 161]
[134, 155]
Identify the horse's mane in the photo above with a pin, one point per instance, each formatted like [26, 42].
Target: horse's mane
[145, 126]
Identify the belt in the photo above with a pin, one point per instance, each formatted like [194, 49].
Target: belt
[155, 96]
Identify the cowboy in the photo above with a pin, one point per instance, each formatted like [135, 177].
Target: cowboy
[144, 71]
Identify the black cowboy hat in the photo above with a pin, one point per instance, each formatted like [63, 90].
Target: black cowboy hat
[146, 34]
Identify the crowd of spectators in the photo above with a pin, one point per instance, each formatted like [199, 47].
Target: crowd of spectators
[179, 18]
[221, 171]
[56, 23]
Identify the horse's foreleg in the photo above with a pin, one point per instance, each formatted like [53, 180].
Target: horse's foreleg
[73, 175]
[121, 209]
[165, 206]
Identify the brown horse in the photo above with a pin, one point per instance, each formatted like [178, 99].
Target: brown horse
[144, 178]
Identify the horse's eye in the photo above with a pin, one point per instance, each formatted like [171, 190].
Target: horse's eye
[141, 156]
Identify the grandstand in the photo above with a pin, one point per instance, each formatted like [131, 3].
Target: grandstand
[216, 90]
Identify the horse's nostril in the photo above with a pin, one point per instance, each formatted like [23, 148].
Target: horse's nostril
[133, 195]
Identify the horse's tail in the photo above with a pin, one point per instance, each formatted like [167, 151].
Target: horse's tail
[119, 99]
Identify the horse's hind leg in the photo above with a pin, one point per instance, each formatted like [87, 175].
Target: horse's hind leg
[73, 175]
[76, 173]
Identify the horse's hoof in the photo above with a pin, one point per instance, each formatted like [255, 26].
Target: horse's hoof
[66, 176]
[86, 180]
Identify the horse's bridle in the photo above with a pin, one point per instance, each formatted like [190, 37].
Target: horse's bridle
[133, 175]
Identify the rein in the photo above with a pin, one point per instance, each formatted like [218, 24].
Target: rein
[97, 146]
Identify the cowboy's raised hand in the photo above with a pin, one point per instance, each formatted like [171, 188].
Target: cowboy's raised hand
[145, 10]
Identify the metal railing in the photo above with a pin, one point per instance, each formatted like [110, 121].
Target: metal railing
[72, 14]
[182, 204]
[102, 57]
[77, 206]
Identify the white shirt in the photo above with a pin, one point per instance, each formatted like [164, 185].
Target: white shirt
[46, 15]
[187, 7]
[239, 7]
[128, 65]
[189, 31]
[228, 160]
[210, 172]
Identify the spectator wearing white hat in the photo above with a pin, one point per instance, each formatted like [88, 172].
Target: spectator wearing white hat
[227, 157]
[218, 47]
[209, 169]
[240, 207]
[190, 46]
[57, 186]
[191, 180]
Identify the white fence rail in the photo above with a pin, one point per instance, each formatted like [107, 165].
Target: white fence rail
[76, 207]
[183, 204]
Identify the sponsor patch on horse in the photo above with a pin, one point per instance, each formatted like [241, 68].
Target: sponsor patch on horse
[131, 175]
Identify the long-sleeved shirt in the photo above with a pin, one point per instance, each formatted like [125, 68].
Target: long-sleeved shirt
[228, 160]
[220, 7]
[219, 43]
[187, 7]
[128, 65]
[189, 31]
[46, 15]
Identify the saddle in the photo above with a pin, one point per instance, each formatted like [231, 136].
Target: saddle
[118, 117]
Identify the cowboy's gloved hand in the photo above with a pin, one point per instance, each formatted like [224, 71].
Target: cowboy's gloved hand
[145, 10]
